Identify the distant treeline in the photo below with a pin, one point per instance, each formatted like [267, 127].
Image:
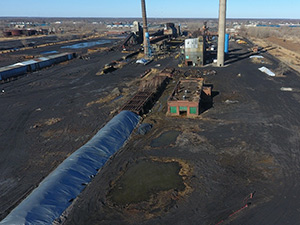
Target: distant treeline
[265, 32]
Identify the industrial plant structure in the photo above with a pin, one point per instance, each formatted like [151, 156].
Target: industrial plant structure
[170, 30]
[186, 96]
[195, 51]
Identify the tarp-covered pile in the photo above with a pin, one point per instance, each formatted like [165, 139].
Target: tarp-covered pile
[256, 57]
[55, 193]
[267, 71]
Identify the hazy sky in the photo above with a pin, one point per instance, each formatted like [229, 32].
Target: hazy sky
[155, 8]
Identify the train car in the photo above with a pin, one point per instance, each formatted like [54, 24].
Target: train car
[71, 56]
[44, 62]
[14, 70]
[58, 58]
[33, 65]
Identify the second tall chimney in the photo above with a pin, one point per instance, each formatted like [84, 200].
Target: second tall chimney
[222, 31]
[145, 29]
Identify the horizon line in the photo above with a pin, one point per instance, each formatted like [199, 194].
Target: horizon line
[91, 17]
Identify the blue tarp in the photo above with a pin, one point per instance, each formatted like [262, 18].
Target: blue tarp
[56, 192]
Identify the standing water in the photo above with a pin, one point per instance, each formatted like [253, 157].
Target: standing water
[87, 44]
[165, 138]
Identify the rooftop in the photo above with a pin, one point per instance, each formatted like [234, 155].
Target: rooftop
[187, 90]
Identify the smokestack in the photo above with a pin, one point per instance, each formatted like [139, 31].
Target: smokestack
[145, 29]
[222, 31]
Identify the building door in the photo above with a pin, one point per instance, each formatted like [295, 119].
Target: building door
[183, 110]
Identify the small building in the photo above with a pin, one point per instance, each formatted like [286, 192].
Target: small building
[137, 29]
[186, 96]
[170, 30]
[16, 32]
[195, 51]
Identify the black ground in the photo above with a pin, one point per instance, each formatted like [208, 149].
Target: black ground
[46, 117]
[244, 153]
[248, 142]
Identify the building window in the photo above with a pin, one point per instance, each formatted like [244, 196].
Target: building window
[173, 109]
[182, 108]
[193, 110]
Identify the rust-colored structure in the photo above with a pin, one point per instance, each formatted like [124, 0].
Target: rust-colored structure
[186, 96]
[149, 91]
[27, 32]
[167, 72]
[16, 32]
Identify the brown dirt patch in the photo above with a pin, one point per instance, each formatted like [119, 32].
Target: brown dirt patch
[285, 43]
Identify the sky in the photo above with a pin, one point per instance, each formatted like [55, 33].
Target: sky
[288, 9]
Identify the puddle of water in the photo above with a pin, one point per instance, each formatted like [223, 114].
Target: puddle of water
[117, 98]
[87, 44]
[145, 178]
[49, 52]
[165, 139]
[160, 107]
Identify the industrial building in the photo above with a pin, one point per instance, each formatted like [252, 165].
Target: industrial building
[195, 51]
[170, 30]
[137, 29]
[26, 32]
[186, 96]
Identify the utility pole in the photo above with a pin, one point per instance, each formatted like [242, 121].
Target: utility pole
[222, 31]
[145, 29]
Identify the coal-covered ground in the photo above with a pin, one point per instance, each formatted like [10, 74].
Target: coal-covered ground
[46, 116]
[19, 43]
[244, 154]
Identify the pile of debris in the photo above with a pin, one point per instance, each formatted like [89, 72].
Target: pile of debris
[199, 73]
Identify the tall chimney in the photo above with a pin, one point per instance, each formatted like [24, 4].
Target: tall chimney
[145, 29]
[222, 31]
